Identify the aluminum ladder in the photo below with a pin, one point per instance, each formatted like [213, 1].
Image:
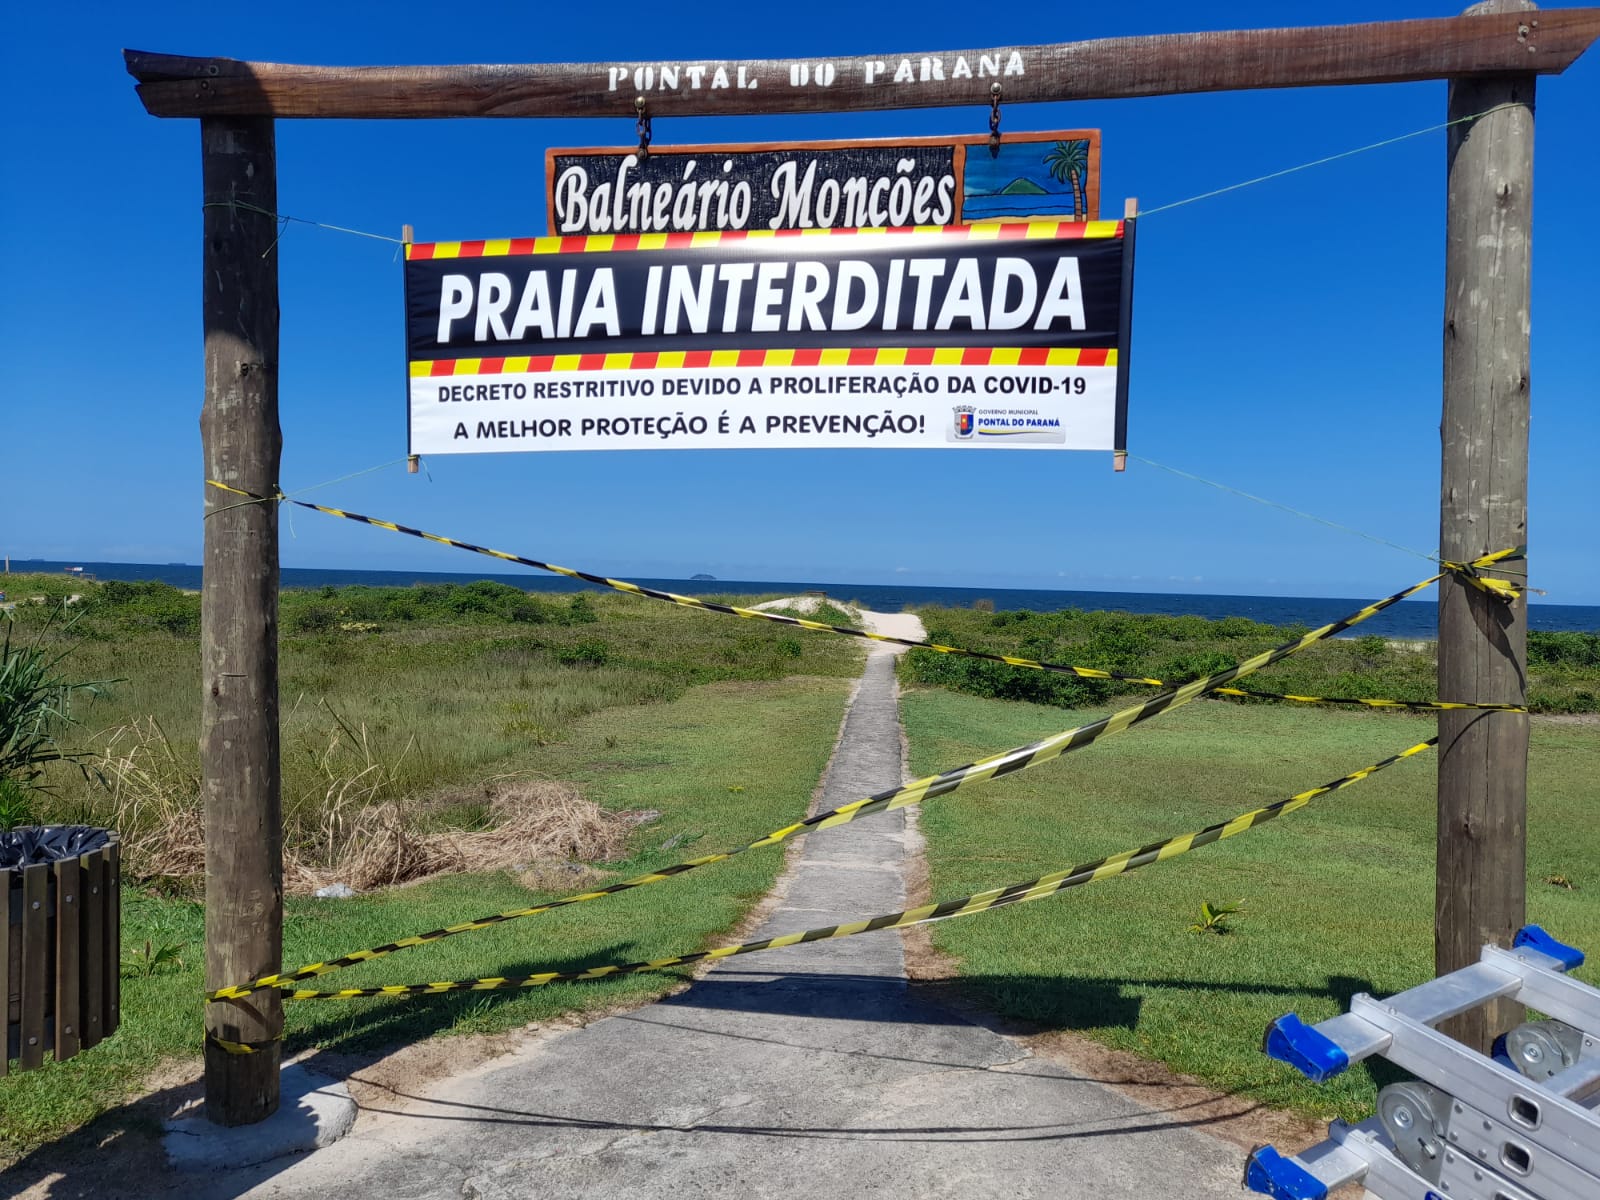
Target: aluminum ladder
[1521, 1124]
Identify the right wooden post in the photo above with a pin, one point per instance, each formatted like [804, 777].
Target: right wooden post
[1483, 506]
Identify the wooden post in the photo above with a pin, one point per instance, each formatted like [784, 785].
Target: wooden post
[1483, 506]
[239, 766]
[1119, 453]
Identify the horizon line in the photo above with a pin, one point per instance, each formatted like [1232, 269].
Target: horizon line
[811, 583]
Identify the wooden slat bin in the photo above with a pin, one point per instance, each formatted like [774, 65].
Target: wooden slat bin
[60, 942]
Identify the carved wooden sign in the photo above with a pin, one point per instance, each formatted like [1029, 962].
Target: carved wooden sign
[1543, 42]
[889, 183]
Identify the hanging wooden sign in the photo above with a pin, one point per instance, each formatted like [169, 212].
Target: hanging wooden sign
[825, 185]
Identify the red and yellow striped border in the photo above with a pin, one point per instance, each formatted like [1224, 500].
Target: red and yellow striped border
[836, 356]
[611, 243]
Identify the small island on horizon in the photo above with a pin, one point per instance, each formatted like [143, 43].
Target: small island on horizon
[703, 578]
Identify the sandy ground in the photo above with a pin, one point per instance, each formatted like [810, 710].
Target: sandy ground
[901, 624]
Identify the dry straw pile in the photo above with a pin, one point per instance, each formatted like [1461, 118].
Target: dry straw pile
[546, 830]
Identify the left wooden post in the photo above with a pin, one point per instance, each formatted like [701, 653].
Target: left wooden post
[239, 768]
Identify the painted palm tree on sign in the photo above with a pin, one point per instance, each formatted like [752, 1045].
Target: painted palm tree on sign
[1069, 163]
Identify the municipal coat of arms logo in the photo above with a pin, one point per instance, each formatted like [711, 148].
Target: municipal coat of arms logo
[966, 421]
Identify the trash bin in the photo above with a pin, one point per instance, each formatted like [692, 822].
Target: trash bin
[60, 941]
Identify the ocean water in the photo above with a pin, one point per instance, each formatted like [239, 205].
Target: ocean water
[1408, 619]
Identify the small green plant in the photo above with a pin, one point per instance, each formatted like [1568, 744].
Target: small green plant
[16, 805]
[588, 652]
[474, 1016]
[314, 618]
[1216, 918]
[153, 958]
[35, 706]
[1372, 645]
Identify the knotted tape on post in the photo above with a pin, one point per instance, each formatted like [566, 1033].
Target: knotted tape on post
[1011, 660]
[241, 1048]
[1016, 893]
[993, 767]
[1502, 590]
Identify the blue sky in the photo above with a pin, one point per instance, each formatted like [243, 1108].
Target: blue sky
[1287, 336]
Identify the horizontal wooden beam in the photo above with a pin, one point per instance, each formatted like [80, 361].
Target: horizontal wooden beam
[1545, 41]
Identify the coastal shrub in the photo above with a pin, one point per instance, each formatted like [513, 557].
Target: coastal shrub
[1566, 648]
[481, 602]
[401, 606]
[1372, 645]
[1117, 647]
[589, 651]
[829, 613]
[470, 599]
[1183, 629]
[526, 611]
[365, 604]
[997, 680]
[1232, 628]
[147, 604]
[1194, 665]
[1564, 668]
[313, 618]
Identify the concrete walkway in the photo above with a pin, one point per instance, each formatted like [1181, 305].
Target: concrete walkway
[805, 1071]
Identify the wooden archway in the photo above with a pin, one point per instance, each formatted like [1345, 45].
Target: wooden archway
[1491, 55]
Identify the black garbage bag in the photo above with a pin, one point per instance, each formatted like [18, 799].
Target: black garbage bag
[49, 843]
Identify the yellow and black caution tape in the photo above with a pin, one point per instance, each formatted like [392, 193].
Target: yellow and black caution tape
[1499, 589]
[927, 788]
[1468, 570]
[638, 589]
[240, 1048]
[1413, 705]
[1016, 893]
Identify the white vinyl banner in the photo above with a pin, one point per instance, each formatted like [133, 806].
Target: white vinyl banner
[1002, 336]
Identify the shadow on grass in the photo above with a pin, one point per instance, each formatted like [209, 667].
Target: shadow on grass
[1031, 1004]
[1065, 1002]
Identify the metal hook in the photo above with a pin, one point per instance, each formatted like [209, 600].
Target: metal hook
[994, 120]
[642, 126]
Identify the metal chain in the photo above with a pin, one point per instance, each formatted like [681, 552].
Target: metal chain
[642, 126]
[994, 120]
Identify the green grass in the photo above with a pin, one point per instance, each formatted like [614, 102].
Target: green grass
[1338, 897]
[447, 684]
[723, 764]
[722, 726]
